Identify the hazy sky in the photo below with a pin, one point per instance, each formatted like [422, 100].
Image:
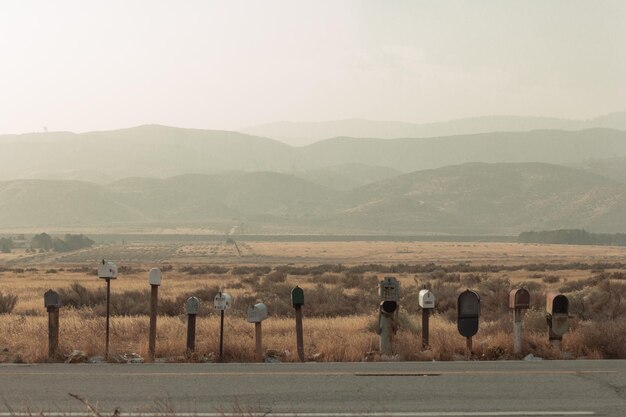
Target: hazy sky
[89, 65]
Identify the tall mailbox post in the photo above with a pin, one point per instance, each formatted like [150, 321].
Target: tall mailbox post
[389, 293]
[297, 300]
[426, 301]
[52, 302]
[519, 301]
[154, 278]
[557, 309]
[107, 271]
[468, 310]
[221, 303]
[256, 314]
[192, 307]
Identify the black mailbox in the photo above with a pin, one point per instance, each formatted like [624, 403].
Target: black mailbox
[297, 297]
[388, 307]
[51, 299]
[468, 310]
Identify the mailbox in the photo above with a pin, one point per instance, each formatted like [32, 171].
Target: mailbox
[389, 289]
[519, 299]
[468, 310]
[557, 307]
[222, 301]
[193, 305]
[154, 276]
[297, 297]
[426, 299]
[51, 299]
[107, 270]
[257, 313]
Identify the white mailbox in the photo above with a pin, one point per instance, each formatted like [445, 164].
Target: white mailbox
[154, 276]
[222, 301]
[107, 270]
[426, 299]
[257, 313]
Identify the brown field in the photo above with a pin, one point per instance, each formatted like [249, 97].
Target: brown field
[340, 290]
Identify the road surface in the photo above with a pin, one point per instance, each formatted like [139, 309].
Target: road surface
[400, 389]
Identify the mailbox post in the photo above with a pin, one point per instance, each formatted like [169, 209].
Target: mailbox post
[468, 310]
[519, 300]
[557, 308]
[222, 302]
[427, 303]
[154, 278]
[52, 302]
[256, 314]
[107, 271]
[297, 300]
[389, 292]
[192, 307]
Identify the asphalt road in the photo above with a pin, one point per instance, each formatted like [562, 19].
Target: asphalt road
[399, 389]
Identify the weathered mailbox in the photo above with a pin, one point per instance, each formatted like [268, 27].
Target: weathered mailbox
[426, 299]
[107, 270]
[519, 299]
[257, 313]
[192, 306]
[297, 297]
[154, 276]
[51, 300]
[557, 307]
[389, 292]
[222, 301]
[468, 310]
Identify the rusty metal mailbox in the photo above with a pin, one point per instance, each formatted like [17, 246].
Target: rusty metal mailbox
[257, 313]
[297, 297]
[519, 299]
[468, 311]
[557, 307]
[389, 292]
[51, 299]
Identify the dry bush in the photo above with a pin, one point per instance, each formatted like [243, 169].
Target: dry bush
[7, 303]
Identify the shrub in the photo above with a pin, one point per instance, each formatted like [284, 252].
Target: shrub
[7, 303]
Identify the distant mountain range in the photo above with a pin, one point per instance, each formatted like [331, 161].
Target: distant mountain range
[161, 152]
[305, 133]
[473, 198]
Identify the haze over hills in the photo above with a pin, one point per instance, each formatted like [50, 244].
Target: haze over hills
[305, 133]
[161, 152]
[473, 198]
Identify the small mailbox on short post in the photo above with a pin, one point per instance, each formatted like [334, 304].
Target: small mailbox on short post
[389, 293]
[192, 308]
[557, 309]
[256, 314]
[519, 300]
[154, 279]
[52, 302]
[426, 301]
[297, 300]
[107, 271]
[468, 311]
[222, 302]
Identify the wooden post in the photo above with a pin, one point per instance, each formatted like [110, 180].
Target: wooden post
[53, 332]
[259, 341]
[191, 333]
[468, 348]
[154, 301]
[106, 346]
[517, 331]
[299, 335]
[222, 336]
[425, 329]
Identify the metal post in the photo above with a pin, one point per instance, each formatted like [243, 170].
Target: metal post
[106, 347]
[154, 302]
[222, 336]
[191, 333]
[53, 332]
[299, 336]
[425, 325]
[468, 348]
[517, 331]
[259, 341]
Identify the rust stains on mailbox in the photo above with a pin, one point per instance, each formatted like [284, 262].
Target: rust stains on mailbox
[519, 298]
[557, 303]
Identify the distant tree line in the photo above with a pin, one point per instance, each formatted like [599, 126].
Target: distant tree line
[573, 237]
[69, 242]
[6, 244]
